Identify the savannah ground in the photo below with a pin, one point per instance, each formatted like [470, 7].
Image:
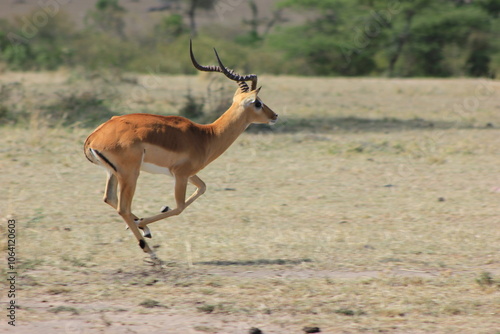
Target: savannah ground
[373, 206]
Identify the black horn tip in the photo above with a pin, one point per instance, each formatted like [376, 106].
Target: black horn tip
[218, 59]
[197, 65]
[193, 60]
[191, 47]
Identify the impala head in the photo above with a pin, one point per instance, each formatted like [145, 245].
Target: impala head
[245, 98]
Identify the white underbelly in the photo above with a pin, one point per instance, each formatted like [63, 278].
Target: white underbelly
[155, 169]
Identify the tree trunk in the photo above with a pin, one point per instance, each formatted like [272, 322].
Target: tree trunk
[193, 4]
[401, 40]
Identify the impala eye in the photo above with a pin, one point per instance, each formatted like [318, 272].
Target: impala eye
[258, 104]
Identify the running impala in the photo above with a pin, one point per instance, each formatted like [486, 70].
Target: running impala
[173, 145]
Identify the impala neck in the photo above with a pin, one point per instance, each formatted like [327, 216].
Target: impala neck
[225, 130]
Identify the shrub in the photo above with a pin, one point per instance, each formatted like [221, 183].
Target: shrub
[486, 279]
[12, 112]
[87, 108]
[191, 108]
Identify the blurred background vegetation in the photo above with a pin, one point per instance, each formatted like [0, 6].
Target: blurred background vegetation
[402, 38]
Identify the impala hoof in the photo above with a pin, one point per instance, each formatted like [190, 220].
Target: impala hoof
[165, 209]
[146, 232]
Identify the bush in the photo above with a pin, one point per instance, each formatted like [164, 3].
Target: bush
[88, 108]
[11, 111]
[448, 38]
[191, 108]
[46, 48]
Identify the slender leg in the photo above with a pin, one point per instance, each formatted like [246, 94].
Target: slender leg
[180, 198]
[127, 185]
[200, 189]
[111, 192]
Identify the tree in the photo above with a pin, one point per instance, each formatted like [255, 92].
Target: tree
[334, 40]
[259, 26]
[171, 27]
[432, 31]
[192, 7]
[29, 45]
[188, 8]
[400, 37]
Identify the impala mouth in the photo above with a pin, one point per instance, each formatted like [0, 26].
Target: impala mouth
[273, 121]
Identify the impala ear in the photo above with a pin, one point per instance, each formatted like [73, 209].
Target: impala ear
[251, 98]
[258, 90]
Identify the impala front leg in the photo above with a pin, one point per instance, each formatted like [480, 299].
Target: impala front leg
[180, 198]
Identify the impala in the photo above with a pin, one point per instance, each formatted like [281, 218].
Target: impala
[173, 145]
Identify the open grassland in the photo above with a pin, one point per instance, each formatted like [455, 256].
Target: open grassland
[373, 206]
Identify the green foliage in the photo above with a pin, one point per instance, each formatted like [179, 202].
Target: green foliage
[491, 6]
[477, 63]
[432, 32]
[407, 36]
[341, 37]
[101, 51]
[486, 279]
[63, 308]
[171, 27]
[206, 308]
[107, 17]
[11, 111]
[26, 45]
[150, 303]
[112, 5]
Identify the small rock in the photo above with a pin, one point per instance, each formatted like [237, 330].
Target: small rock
[309, 329]
[255, 330]
[441, 199]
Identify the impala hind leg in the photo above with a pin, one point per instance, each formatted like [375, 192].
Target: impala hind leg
[127, 184]
[111, 192]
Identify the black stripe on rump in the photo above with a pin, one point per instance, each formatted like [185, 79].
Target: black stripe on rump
[101, 156]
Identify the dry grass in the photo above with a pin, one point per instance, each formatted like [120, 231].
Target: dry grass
[372, 207]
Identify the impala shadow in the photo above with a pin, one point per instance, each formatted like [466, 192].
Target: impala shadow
[354, 124]
[254, 262]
